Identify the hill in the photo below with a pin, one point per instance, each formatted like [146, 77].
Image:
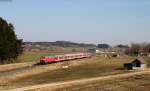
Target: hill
[60, 44]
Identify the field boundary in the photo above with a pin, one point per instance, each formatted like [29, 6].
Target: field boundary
[56, 84]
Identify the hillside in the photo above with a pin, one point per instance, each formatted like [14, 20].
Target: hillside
[61, 44]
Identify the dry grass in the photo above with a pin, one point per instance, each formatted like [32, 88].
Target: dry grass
[83, 68]
[78, 69]
[25, 60]
[133, 83]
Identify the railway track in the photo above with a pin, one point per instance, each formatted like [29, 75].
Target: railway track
[27, 68]
[17, 70]
[9, 67]
[30, 69]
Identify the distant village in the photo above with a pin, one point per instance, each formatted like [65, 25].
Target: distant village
[100, 49]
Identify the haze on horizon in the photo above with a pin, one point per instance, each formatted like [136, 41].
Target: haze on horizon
[88, 21]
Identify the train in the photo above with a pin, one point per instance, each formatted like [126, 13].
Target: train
[63, 57]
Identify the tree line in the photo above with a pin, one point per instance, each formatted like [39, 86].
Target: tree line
[136, 49]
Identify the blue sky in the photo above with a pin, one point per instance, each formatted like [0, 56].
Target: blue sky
[89, 21]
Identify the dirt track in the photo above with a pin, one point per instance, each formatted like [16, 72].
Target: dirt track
[52, 86]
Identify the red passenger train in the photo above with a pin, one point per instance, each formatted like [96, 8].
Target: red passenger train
[64, 57]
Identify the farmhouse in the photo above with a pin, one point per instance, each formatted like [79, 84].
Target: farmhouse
[136, 64]
[94, 50]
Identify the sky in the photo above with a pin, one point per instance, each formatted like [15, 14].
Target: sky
[84, 21]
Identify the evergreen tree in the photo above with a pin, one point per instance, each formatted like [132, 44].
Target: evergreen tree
[10, 46]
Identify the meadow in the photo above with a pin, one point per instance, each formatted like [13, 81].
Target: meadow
[133, 83]
[34, 56]
[95, 66]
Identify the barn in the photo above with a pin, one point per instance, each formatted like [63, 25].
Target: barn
[93, 50]
[136, 64]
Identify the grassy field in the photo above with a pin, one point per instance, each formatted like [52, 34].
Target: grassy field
[78, 69]
[34, 56]
[133, 83]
